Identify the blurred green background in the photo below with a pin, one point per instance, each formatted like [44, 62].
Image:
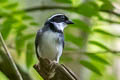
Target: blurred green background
[92, 44]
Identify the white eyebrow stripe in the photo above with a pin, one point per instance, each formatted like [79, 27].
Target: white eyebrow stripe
[54, 16]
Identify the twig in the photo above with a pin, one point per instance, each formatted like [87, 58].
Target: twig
[113, 52]
[111, 12]
[10, 57]
[111, 21]
[68, 8]
[97, 52]
[48, 8]
[65, 8]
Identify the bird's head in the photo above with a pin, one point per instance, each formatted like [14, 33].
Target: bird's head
[60, 21]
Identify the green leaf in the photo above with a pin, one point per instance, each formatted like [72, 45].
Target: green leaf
[75, 40]
[63, 1]
[88, 9]
[3, 76]
[3, 1]
[21, 28]
[98, 58]
[90, 66]
[34, 24]
[20, 38]
[19, 12]
[107, 5]
[19, 43]
[7, 26]
[66, 59]
[99, 45]
[105, 32]
[4, 13]
[80, 24]
[70, 48]
[29, 54]
[11, 6]
[76, 3]
[28, 36]
[26, 17]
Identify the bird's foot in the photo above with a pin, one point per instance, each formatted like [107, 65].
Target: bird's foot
[51, 71]
[53, 66]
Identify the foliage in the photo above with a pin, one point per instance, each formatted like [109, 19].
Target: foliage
[90, 66]
[17, 25]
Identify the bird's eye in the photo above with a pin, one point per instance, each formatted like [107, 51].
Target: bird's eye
[62, 18]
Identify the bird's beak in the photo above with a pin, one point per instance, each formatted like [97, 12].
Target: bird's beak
[69, 22]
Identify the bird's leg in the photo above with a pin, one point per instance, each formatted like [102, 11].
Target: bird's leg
[52, 68]
[53, 64]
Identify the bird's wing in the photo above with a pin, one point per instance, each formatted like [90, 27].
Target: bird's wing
[37, 42]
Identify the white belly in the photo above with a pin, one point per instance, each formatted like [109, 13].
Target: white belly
[50, 47]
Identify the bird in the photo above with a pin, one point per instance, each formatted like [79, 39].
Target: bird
[49, 41]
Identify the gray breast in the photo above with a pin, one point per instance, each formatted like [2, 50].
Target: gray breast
[50, 45]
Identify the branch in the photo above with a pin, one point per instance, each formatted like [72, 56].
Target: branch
[113, 52]
[111, 21]
[110, 51]
[111, 12]
[58, 72]
[7, 68]
[65, 8]
[48, 8]
[7, 53]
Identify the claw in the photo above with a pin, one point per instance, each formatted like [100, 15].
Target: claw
[51, 71]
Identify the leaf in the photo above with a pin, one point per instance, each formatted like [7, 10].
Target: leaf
[3, 1]
[63, 1]
[75, 40]
[99, 45]
[4, 13]
[28, 36]
[7, 26]
[105, 32]
[98, 58]
[70, 48]
[20, 38]
[21, 28]
[90, 66]
[3, 76]
[34, 24]
[19, 41]
[107, 5]
[12, 6]
[26, 17]
[66, 59]
[80, 24]
[29, 54]
[88, 9]
[76, 3]
[19, 12]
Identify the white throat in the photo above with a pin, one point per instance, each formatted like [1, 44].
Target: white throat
[60, 26]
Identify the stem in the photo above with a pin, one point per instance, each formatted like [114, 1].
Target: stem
[10, 57]
[64, 8]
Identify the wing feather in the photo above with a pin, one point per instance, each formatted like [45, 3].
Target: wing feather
[37, 42]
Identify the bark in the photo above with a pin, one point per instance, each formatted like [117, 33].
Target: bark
[8, 70]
